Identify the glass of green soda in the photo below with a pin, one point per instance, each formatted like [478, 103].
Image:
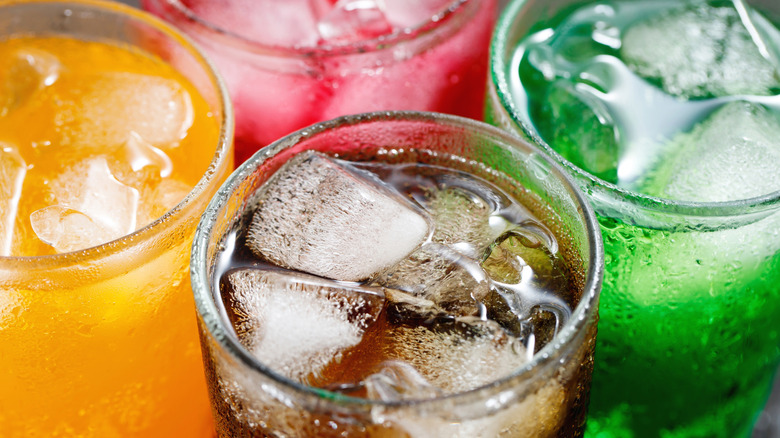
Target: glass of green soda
[667, 112]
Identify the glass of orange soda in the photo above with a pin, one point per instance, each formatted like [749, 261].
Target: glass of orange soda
[114, 134]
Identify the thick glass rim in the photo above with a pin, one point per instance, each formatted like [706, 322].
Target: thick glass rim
[226, 128]
[583, 315]
[446, 20]
[498, 76]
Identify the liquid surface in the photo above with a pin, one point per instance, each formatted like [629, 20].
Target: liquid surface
[96, 141]
[105, 139]
[442, 68]
[482, 291]
[652, 96]
[656, 97]
[308, 23]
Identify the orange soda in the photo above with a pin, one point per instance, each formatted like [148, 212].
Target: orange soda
[99, 140]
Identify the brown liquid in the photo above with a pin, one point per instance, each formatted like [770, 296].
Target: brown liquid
[448, 349]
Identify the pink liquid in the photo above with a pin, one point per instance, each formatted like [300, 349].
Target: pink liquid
[277, 90]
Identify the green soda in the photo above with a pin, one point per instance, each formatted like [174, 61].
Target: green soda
[668, 113]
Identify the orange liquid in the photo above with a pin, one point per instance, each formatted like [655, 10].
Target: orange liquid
[108, 346]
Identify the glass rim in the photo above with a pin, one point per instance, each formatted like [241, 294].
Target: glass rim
[582, 317]
[448, 17]
[498, 79]
[221, 152]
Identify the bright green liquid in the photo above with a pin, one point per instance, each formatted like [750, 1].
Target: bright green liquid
[689, 336]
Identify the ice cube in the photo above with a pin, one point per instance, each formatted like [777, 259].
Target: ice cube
[700, 51]
[413, 13]
[443, 356]
[90, 201]
[734, 154]
[527, 252]
[466, 215]
[113, 106]
[532, 294]
[297, 323]
[441, 275]
[354, 20]
[273, 22]
[327, 218]
[66, 229]
[538, 414]
[140, 154]
[30, 71]
[402, 306]
[397, 381]
[13, 169]
[462, 356]
[589, 138]
[157, 200]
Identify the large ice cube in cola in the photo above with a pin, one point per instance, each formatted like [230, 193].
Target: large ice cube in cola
[537, 415]
[328, 218]
[702, 51]
[396, 381]
[460, 356]
[467, 216]
[438, 273]
[296, 323]
[13, 169]
[447, 356]
[31, 71]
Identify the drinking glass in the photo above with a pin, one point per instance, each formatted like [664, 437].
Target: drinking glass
[545, 397]
[688, 337]
[102, 341]
[439, 64]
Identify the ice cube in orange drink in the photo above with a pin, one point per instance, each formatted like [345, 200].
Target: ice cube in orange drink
[99, 140]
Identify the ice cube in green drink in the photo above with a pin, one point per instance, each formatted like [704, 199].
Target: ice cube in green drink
[701, 50]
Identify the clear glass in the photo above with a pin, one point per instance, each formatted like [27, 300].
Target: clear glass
[440, 65]
[688, 339]
[103, 342]
[545, 398]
